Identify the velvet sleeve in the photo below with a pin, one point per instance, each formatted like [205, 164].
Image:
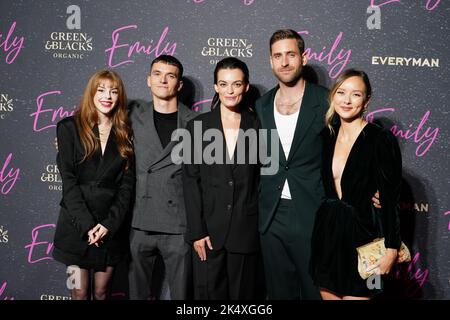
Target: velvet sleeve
[388, 179]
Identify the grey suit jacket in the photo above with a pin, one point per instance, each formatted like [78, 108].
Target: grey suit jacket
[159, 203]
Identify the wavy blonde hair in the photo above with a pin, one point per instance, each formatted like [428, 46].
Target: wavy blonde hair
[86, 117]
[330, 114]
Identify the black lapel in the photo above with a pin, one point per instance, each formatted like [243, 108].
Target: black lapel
[305, 118]
[110, 154]
[96, 157]
[267, 110]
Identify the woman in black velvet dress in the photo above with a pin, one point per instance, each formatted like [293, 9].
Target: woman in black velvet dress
[359, 158]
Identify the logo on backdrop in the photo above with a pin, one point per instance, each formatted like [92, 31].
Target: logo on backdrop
[47, 114]
[6, 105]
[374, 9]
[11, 45]
[335, 55]
[414, 207]
[218, 48]
[406, 61]
[123, 49]
[70, 44]
[429, 5]
[8, 175]
[411, 277]
[40, 247]
[51, 177]
[3, 235]
[446, 214]
[4, 291]
[423, 137]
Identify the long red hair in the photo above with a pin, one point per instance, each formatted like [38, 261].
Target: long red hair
[86, 117]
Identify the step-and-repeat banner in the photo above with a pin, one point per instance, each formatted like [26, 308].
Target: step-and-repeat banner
[49, 49]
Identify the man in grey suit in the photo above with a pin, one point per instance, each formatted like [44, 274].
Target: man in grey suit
[159, 217]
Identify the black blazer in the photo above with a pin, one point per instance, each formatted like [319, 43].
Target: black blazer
[302, 167]
[97, 190]
[222, 199]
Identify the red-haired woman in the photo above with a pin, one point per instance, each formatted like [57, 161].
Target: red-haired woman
[95, 160]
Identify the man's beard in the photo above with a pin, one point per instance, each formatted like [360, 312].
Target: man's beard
[293, 80]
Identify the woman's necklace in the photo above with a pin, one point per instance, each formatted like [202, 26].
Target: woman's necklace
[104, 131]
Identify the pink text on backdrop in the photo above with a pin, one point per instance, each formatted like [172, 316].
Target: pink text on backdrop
[337, 60]
[424, 138]
[246, 2]
[56, 114]
[380, 3]
[414, 280]
[429, 4]
[197, 106]
[432, 4]
[446, 213]
[44, 247]
[136, 47]
[8, 178]
[11, 46]
[2, 291]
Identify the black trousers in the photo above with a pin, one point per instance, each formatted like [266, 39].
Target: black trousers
[286, 257]
[226, 275]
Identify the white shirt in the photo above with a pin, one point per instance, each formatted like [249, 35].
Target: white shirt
[286, 128]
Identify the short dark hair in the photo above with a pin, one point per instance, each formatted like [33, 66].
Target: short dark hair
[287, 34]
[171, 60]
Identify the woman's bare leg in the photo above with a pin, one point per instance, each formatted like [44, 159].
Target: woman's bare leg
[329, 295]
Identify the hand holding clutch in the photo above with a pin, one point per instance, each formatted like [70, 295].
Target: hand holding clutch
[370, 254]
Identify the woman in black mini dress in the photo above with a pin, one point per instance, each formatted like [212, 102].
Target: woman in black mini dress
[95, 160]
[359, 158]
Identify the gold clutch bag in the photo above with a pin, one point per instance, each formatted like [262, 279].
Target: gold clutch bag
[369, 254]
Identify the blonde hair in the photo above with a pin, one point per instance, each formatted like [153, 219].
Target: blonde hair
[86, 117]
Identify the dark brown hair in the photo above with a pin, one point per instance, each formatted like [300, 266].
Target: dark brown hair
[287, 34]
